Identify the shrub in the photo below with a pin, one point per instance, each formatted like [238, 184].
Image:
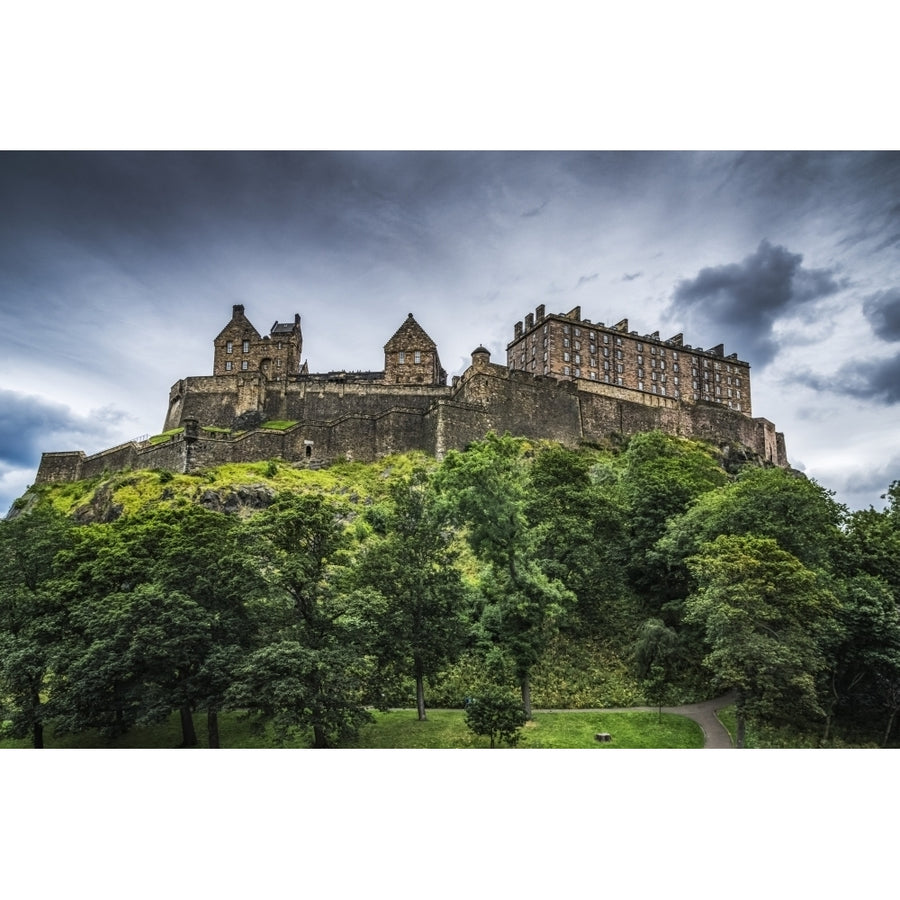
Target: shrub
[496, 714]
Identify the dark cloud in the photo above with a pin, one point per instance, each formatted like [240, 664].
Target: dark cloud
[876, 380]
[631, 276]
[30, 425]
[746, 299]
[531, 213]
[586, 279]
[882, 309]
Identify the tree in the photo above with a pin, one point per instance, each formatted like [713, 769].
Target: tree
[421, 621]
[579, 536]
[862, 647]
[308, 670]
[487, 491]
[203, 555]
[164, 572]
[131, 660]
[662, 476]
[797, 513]
[496, 715]
[32, 617]
[762, 613]
[870, 545]
[656, 653]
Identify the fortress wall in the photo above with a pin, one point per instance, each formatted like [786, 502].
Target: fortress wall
[213, 399]
[116, 459]
[351, 437]
[454, 425]
[60, 467]
[399, 431]
[168, 455]
[329, 401]
[532, 407]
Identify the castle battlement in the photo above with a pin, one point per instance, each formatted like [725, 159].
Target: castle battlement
[566, 379]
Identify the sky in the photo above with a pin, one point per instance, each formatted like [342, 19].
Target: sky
[117, 270]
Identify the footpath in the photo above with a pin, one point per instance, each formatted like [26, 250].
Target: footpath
[716, 736]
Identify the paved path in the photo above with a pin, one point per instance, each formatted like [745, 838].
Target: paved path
[704, 714]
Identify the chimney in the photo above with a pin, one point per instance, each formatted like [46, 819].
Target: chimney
[539, 313]
[529, 321]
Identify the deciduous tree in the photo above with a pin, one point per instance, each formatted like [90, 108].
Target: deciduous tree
[762, 613]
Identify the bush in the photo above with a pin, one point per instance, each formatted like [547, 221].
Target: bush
[496, 714]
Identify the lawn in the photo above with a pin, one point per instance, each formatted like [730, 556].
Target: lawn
[444, 729]
[549, 730]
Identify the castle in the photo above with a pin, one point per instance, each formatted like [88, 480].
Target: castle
[566, 379]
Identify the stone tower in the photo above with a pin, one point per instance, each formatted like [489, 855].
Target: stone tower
[411, 357]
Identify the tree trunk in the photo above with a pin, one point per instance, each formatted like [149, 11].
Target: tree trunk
[320, 742]
[37, 731]
[890, 726]
[526, 697]
[188, 734]
[212, 728]
[420, 689]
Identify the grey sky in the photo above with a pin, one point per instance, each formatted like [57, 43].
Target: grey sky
[118, 269]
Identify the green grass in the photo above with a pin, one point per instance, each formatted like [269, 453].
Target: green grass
[400, 729]
[165, 436]
[279, 424]
[549, 730]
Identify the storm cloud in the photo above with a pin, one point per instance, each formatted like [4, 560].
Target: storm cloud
[874, 380]
[30, 425]
[882, 309]
[744, 300]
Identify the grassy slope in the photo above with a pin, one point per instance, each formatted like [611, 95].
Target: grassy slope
[133, 490]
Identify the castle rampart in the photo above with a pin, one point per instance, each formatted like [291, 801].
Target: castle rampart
[365, 416]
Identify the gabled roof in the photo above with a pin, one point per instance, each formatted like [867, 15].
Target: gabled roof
[283, 328]
[239, 321]
[410, 335]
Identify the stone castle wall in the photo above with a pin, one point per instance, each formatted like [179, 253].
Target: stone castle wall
[343, 419]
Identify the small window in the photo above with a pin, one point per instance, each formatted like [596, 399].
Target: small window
[229, 347]
[401, 357]
[244, 364]
[417, 357]
[565, 370]
[228, 366]
[246, 346]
